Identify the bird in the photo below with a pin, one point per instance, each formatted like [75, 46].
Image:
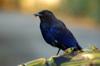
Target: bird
[55, 32]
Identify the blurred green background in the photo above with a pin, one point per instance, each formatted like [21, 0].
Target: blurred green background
[20, 36]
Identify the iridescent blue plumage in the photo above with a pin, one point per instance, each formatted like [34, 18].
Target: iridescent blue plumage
[55, 32]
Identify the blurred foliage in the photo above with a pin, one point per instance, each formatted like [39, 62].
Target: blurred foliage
[77, 7]
[82, 8]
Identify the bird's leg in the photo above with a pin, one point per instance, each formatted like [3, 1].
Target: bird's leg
[58, 51]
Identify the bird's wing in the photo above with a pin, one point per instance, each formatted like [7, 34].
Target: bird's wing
[63, 35]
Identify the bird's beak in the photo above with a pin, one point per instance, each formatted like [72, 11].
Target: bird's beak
[37, 14]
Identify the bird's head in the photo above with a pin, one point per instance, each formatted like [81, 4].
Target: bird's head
[45, 14]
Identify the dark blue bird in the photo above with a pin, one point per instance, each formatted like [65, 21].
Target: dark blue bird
[55, 32]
